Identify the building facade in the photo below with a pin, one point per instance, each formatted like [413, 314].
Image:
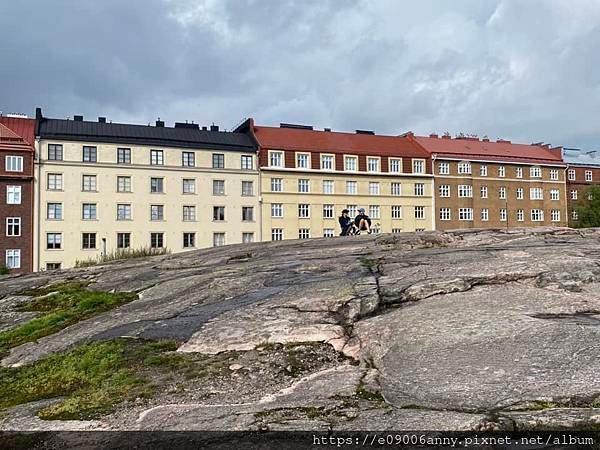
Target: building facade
[106, 187]
[307, 177]
[583, 171]
[484, 184]
[16, 193]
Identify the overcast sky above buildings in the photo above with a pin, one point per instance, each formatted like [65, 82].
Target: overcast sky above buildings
[527, 70]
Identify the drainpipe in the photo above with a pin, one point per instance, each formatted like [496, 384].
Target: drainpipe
[433, 187]
[37, 215]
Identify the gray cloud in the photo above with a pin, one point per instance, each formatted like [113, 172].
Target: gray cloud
[526, 70]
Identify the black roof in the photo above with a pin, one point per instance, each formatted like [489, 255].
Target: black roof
[120, 133]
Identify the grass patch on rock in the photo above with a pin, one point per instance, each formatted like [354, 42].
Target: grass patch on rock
[60, 305]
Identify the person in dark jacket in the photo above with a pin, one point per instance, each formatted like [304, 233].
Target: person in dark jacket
[346, 223]
[362, 221]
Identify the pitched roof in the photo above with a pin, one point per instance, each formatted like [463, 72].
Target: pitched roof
[475, 149]
[577, 156]
[21, 126]
[336, 142]
[120, 133]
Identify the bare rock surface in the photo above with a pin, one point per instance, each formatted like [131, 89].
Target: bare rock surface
[495, 329]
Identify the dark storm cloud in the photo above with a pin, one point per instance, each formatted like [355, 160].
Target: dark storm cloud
[526, 70]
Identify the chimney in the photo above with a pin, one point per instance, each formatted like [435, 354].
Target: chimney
[78, 118]
[446, 136]
[101, 119]
[327, 129]
[204, 128]
[502, 141]
[38, 113]
[160, 123]
[485, 140]
[364, 132]
[214, 127]
[433, 135]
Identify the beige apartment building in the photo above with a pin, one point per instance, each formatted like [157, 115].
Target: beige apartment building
[104, 187]
[307, 177]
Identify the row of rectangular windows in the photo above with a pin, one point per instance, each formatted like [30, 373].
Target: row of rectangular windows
[304, 210]
[351, 187]
[304, 233]
[537, 215]
[573, 176]
[466, 191]
[464, 168]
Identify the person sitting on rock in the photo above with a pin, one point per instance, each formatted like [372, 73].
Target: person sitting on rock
[362, 221]
[346, 223]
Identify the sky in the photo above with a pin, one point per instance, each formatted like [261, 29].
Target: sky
[526, 70]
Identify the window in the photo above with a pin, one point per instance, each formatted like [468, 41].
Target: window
[302, 160]
[189, 240]
[88, 183]
[574, 215]
[303, 233]
[350, 163]
[123, 240]
[189, 186]
[485, 215]
[444, 190]
[327, 162]
[189, 213]
[444, 213]
[535, 172]
[418, 166]
[123, 211]
[218, 213]
[303, 211]
[501, 171]
[157, 158]
[465, 190]
[554, 174]
[13, 195]
[464, 167]
[573, 194]
[247, 213]
[54, 211]
[395, 165]
[328, 232]
[247, 162]
[396, 230]
[275, 159]
[247, 238]
[88, 241]
[537, 215]
[157, 185]
[55, 182]
[351, 210]
[520, 193]
[374, 211]
[218, 161]
[484, 192]
[465, 214]
[374, 188]
[396, 189]
[520, 215]
[502, 193]
[303, 186]
[55, 152]
[519, 172]
[13, 259]
[276, 185]
[13, 226]
[351, 187]
[123, 184]
[157, 240]
[90, 154]
[555, 215]
[483, 170]
[419, 212]
[89, 211]
[536, 194]
[328, 186]
[123, 156]
[188, 159]
[218, 239]
[588, 175]
[554, 194]
[571, 174]
[419, 189]
[328, 212]
[247, 188]
[14, 164]
[444, 168]
[276, 234]
[276, 210]
[502, 215]
[373, 164]
[53, 266]
[218, 187]
[157, 212]
[53, 241]
[396, 212]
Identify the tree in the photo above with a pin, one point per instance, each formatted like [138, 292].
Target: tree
[588, 209]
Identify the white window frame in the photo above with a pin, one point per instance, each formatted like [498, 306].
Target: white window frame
[554, 176]
[464, 168]
[444, 168]
[11, 223]
[14, 195]
[328, 186]
[535, 172]
[13, 258]
[465, 214]
[350, 163]
[396, 188]
[303, 211]
[485, 215]
[520, 193]
[374, 188]
[305, 158]
[536, 193]
[14, 163]
[395, 165]
[588, 175]
[419, 212]
[483, 170]
[501, 171]
[277, 183]
[354, 184]
[276, 158]
[465, 191]
[537, 215]
[572, 175]
[418, 166]
[303, 186]
[444, 190]
[276, 210]
[373, 164]
[445, 214]
[327, 161]
[483, 192]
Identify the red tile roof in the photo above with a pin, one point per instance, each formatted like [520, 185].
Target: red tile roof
[23, 127]
[475, 149]
[335, 142]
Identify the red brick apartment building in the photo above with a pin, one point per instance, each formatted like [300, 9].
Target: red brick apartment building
[583, 171]
[17, 139]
